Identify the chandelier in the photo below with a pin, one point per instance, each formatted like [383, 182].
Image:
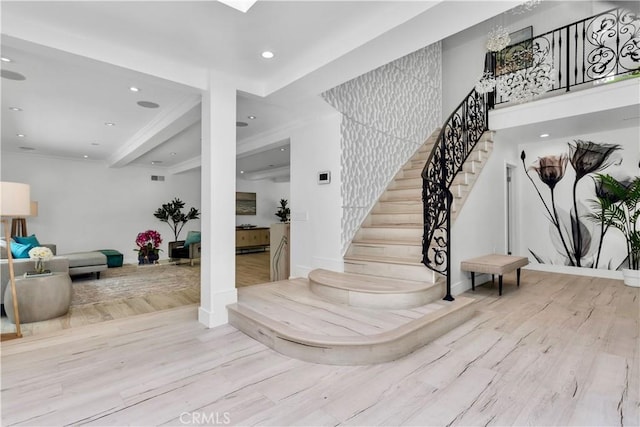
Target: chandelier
[497, 39]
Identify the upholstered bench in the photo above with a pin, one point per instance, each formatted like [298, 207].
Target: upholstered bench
[494, 264]
[86, 262]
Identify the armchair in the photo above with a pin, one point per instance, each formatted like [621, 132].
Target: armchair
[186, 249]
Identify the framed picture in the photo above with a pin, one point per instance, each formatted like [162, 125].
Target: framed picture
[518, 55]
[245, 203]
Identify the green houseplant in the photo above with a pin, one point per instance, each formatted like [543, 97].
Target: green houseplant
[172, 214]
[618, 206]
[283, 211]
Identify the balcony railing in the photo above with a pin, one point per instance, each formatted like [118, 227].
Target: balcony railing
[593, 49]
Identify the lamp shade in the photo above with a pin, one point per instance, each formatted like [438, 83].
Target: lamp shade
[15, 199]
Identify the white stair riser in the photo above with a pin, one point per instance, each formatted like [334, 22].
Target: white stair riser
[385, 250]
[405, 183]
[378, 300]
[396, 218]
[412, 173]
[404, 194]
[398, 271]
[398, 207]
[401, 234]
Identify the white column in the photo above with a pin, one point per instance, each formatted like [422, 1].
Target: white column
[218, 276]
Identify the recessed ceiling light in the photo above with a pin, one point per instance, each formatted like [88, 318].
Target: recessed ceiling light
[544, 135]
[173, 153]
[109, 124]
[15, 108]
[134, 89]
[241, 171]
[156, 162]
[283, 149]
[267, 54]
[251, 117]
[85, 156]
[148, 104]
[242, 124]
[20, 135]
[5, 59]
[95, 143]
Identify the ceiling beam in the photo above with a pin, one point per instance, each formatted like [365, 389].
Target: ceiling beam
[186, 166]
[158, 131]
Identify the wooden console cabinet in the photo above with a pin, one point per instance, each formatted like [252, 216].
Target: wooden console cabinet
[252, 238]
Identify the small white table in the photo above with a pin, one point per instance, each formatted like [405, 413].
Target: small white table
[40, 297]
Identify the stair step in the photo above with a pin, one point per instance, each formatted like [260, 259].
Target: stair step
[360, 290]
[400, 268]
[393, 248]
[396, 219]
[402, 194]
[400, 183]
[398, 206]
[412, 172]
[380, 232]
[290, 319]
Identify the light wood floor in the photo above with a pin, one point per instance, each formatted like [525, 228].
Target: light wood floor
[251, 269]
[561, 350]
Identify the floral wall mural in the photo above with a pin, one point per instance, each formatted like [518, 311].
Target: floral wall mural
[564, 182]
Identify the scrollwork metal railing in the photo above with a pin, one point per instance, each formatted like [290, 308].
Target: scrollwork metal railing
[459, 135]
[593, 49]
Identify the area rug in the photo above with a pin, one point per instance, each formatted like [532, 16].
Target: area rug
[131, 281]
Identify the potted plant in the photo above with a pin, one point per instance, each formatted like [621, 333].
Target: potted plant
[148, 243]
[618, 206]
[283, 211]
[172, 214]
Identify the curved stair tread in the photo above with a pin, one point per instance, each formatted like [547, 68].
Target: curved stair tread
[384, 259]
[387, 242]
[350, 350]
[368, 284]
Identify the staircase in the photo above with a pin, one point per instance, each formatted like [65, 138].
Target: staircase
[389, 243]
[386, 304]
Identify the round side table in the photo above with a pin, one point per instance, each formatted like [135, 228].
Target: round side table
[39, 298]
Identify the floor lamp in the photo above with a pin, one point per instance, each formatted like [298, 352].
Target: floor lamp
[19, 225]
[15, 201]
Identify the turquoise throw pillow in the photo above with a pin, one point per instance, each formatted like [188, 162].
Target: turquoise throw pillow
[18, 250]
[192, 237]
[29, 240]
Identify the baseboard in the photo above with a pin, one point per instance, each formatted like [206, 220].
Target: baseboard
[218, 314]
[578, 271]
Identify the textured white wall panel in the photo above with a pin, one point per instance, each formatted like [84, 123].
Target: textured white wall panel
[388, 113]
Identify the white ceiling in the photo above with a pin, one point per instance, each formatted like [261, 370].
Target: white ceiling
[80, 57]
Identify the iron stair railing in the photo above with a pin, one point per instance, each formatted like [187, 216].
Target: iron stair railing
[457, 138]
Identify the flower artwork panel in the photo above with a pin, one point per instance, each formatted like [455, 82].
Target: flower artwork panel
[560, 192]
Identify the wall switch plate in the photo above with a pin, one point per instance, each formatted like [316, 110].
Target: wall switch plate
[324, 177]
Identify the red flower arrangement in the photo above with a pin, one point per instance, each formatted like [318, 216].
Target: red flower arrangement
[148, 242]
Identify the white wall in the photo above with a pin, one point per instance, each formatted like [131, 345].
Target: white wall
[83, 205]
[388, 113]
[316, 210]
[268, 195]
[480, 229]
[463, 53]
